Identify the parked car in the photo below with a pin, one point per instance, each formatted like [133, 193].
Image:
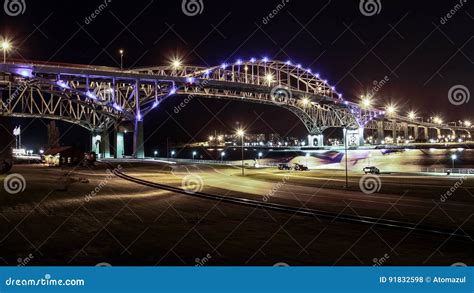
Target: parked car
[300, 167]
[284, 167]
[371, 170]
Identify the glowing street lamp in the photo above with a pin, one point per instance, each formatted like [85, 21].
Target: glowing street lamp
[305, 101]
[5, 47]
[391, 109]
[194, 154]
[366, 102]
[467, 123]
[269, 78]
[121, 58]
[241, 133]
[260, 155]
[176, 63]
[155, 153]
[453, 158]
[222, 156]
[172, 153]
[411, 115]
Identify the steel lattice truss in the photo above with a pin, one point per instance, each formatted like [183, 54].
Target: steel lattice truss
[99, 97]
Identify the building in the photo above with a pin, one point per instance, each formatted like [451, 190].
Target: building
[63, 156]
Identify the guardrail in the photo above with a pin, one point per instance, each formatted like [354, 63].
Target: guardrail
[462, 171]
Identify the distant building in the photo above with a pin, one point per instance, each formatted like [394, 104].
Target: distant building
[63, 156]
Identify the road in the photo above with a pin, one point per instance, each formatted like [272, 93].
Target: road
[86, 216]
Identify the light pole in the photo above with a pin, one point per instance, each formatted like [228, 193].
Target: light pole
[222, 156]
[345, 155]
[241, 133]
[453, 158]
[194, 154]
[5, 47]
[155, 153]
[259, 155]
[172, 154]
[121, 59]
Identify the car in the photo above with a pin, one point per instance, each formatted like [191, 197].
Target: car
[371, 170]
[300, 167]
[284, 167]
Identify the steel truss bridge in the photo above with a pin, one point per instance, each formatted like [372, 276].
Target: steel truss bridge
[101, 98]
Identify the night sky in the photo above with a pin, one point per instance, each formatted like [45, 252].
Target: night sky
[422, 56]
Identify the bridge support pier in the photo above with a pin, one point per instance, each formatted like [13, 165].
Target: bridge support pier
[95, 143]
[315, 140]
[405, 131]
[119, 144]
[105, 145]
[355, 137]
[380, 132]
[394, 131]
[415, 132]
[138, 148]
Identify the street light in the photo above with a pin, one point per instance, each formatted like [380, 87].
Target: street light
[194, 154]
[411, 115]
[155, 153]
[260, 155]
[345, 154]
[5, 47]
[241, 133]
[172, 153]
[176, 63]
[453, 158]
[222, 156]
[366, 102]
[391, 109]
[121, 58]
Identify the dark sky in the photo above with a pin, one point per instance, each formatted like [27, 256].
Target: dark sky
[406, 42]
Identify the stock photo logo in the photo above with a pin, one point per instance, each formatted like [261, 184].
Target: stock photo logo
[370, 7]
[370, 184]
[14, 7]
[280, 95]
[192, 183]
[14, 183]
[459, 95]
[192, 7]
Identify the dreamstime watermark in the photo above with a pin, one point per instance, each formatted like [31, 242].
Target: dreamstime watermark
[370, 183]
[192, 7]
[22, 262]
[275, 11]
[370, 7]
[445, 196]
[97, 11]
[378, 85]
[277, 186]
[188, 98]
[109, 175]
[16, 94]
[103, 264]
[192, 183]
[203, 261]
[14, 7]
[381, 260]
[281, 264]
[459, 95]
[14, 183]
[459, 264]
[445, 18]
[281, 95]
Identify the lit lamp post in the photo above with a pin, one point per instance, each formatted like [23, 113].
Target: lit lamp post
[194, 154]
[222, 156]
[345, 155]
[5, 47]
[241, 133]
[259, 155]
[172, 154]
[453, 158]
[121, 59]
[155, 153]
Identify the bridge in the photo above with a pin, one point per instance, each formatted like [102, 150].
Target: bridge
[102, 99]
